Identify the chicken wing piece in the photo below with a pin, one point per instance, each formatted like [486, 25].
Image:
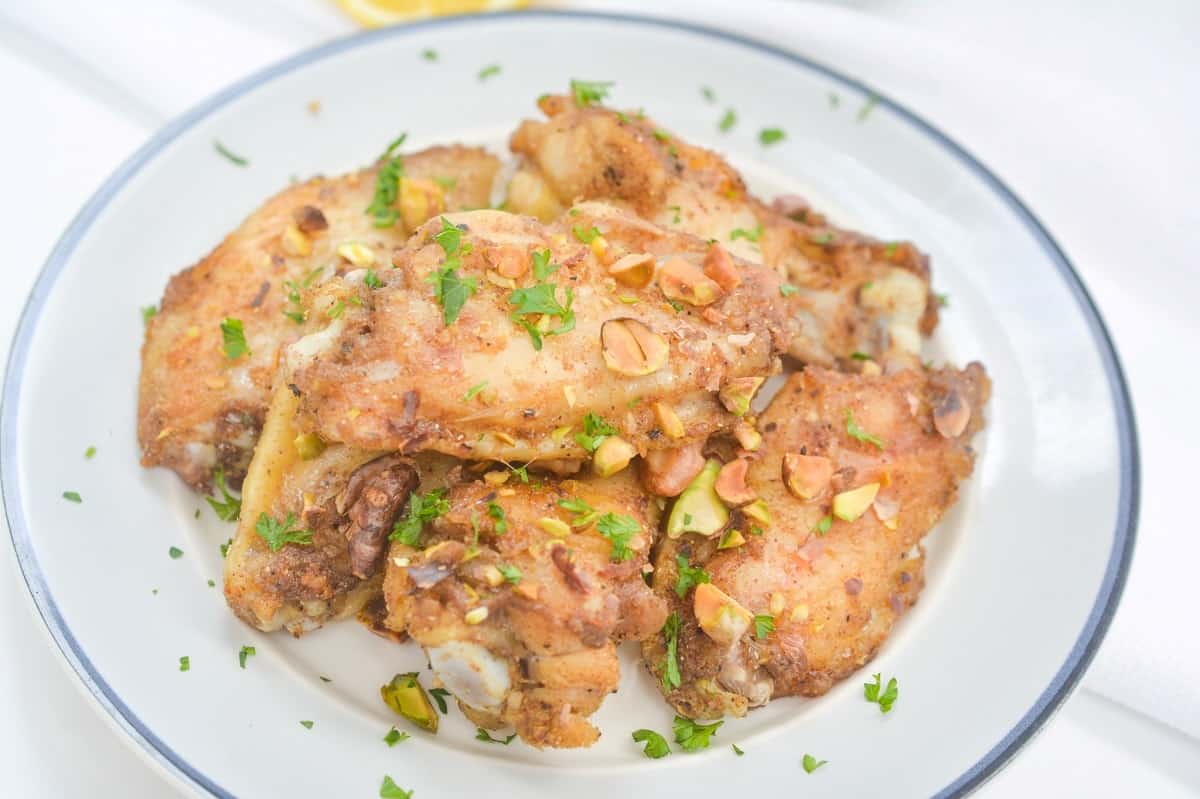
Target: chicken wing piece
[199, 409]
[314, 525]
[497, 337]
[806, 582]
[519, 594]
[849, 293]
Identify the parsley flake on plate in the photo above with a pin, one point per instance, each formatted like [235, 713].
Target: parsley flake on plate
[728, 120]
[769, 136]
[439, 696]
[233, 338]
[278, 535]
[429, 54]
[175, 552]
[244, 653]
[708, 94]
[656, 745]
[395, 736]
[737, 750]
[185, 663]
[857, 432]
[692, 735]
[811, 764]
[868, 107]
[229, 508]
[72, 496]
[89, 453]
[482, 735]
[884, 697]
[619, 530]
[490, 71]
[308, 725]
[148, 313]
[390, 790]
[229, 155]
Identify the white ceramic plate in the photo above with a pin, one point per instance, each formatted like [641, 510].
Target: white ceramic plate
[1023, 574]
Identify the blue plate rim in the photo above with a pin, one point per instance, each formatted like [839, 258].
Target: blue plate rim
[1060, 687]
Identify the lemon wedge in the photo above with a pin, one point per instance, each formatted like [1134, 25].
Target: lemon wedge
[377, 13]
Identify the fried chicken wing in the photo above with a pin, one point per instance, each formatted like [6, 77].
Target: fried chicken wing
[200, 410]
[519, 594]
[848, 293]
[497, 337]
[853, 471]
[312, 532]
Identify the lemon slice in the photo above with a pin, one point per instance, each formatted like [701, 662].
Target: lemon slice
[377, 13]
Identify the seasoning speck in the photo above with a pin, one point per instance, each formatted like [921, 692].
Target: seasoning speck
[175, 552]
[72, 496]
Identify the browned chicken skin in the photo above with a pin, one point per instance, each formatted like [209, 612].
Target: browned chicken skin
[849, 293]
[520, 602]
[199, 410]
[649, 359]
[834, 596]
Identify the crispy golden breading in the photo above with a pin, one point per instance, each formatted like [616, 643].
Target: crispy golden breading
[519, 602]
[199, 410]
[345, 500]
[390, 373]
[851, 293]
[833, 597]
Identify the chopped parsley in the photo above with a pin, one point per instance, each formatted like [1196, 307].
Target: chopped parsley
[482, 735]
[859, 356]
[748, 235]
[212, 584]
[308, 725]
[943, 300]
[764, 625]
[324, 678]
[371, 280]
[676, 209]
[229, 508]
[769, 136]
[473, 391]
[884, 697]
[691, 735]
[824, 239]
[890, 250]
[185, 663]
[429, 54]
[233, 337]
[585, 236]
[661, 134]
[728, 120]
[243, 653]
[72, 496]
[336, 310]
[708, 94]
[811, 764]
[618, 530]
[490, 71]
[542, 268]
[540, 299]
[279, 535]
[670, 630]
[823, 526]
[834, 100]
[422, 508]
[868, 107]
[148, 313]
[585, 514]
[439, 695]
[395, 736]
[225, 547]
[390, 790]
[89, 453]
[787, 289]
[175, 552]
[497, 514]
[737, 750]
[229, 155]
[387, 185]
[595, 430]
[656, 745]
[589, 92]
[857, 432]
[688, 576]
[511, 573]
[450, 290]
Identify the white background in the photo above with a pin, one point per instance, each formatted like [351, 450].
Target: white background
[1087, 109]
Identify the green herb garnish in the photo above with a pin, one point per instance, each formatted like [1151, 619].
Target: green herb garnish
[656, 745]
[811, 764]
[229, 155]
[371, 280]
[691, 735]
[72, 496]
[175, 552]
[728, 120]
[387, 185]
[511, 573]
[884, 697]
[823, 526]
[589, 92]
[390, 790]
[688, 576]
[243, 653]
[490, 71]
[769, 136]
[422, 508]
[670, 630]
[618, 529]
[148, 313]
[473, 391]
[787, 289]
[233, 338]
[308, 725]
[497, 514]
[595, 430]
[764, 625]
[185, 663]
[279, 535]
[857, 432]
[749, 235]
[229, 508]
[395, 736]
[482, 735]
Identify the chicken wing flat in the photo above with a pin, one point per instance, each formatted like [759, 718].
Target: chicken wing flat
[806, 583]
[498, 337]
[519, 594]
[314, 525]
[200, 409]
[848, 293]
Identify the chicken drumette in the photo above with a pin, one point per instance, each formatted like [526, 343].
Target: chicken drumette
[805, 582]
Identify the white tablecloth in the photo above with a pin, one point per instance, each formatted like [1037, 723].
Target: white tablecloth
[1088, 110]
